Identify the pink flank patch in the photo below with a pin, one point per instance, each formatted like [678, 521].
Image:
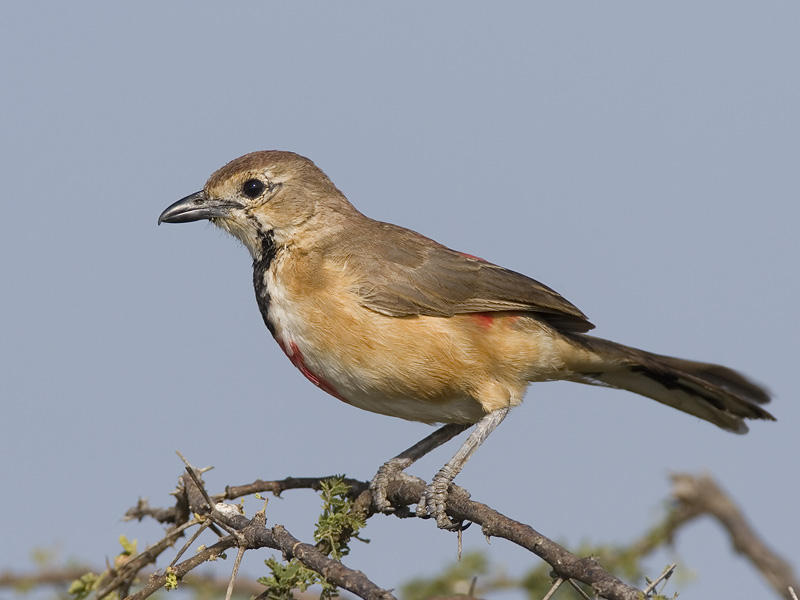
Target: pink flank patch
[487, 319]
[294, 354]
[484, 319]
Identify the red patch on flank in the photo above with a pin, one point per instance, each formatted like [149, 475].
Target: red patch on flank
[473, 257]
[484, 319]
[487, 319]
[294, 355]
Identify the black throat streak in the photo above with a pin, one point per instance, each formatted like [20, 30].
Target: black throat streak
[261, 265]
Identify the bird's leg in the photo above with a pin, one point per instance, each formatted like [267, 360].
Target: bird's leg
[395, 466]
[434, 500]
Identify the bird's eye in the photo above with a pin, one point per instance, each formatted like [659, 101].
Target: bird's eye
[252, 188]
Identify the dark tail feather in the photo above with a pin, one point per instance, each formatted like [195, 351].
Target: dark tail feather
[711, 392]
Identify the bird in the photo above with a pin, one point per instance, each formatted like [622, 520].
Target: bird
[388, 320]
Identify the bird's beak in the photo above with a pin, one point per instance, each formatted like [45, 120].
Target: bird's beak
[195, 207]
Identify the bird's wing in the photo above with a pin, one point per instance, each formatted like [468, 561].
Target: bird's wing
[417, 276]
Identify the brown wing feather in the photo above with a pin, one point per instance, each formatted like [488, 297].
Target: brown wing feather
[417, 276]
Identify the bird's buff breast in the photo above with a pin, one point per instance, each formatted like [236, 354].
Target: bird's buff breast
[402, 367]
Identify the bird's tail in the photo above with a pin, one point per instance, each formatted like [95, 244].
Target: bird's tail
[711, 392]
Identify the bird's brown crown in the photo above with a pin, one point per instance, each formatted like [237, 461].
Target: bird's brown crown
[277, 164]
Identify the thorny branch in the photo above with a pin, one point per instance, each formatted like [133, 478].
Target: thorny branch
[694, 496]
[494, 524]
[242, 533]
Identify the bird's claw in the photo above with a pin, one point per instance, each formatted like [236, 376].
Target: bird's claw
[433, 503]
[389, 470]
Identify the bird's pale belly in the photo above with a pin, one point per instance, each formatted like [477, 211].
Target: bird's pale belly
[380, 364]
[358, 387]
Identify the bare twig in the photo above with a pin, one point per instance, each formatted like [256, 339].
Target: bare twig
[578, 589]
[290, 483]
[190, 541]
[556, 584]
[234, 572]
[699, 495]
[666, 574]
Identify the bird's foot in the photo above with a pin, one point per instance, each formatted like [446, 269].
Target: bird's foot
[433, 502]
[391, 469]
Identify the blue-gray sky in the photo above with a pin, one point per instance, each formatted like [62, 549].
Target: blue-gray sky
[640, 158]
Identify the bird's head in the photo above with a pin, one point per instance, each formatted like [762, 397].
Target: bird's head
[274, 194]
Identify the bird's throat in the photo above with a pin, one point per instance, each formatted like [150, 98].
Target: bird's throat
[261, 265]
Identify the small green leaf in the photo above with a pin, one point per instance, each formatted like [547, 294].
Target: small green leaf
[128, 548]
